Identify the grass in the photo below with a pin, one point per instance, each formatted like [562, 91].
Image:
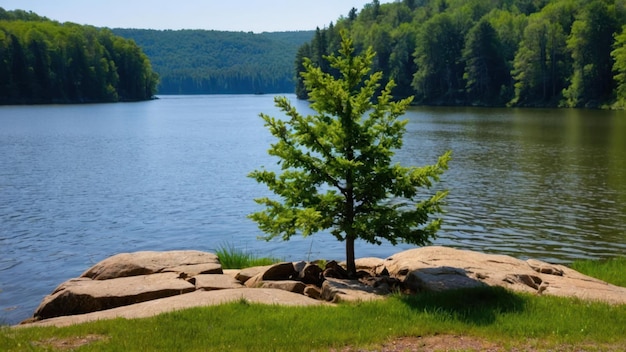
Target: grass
[610, 270]
[508, 319]
[234, 258]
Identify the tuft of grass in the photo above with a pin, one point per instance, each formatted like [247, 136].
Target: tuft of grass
[235, 258]
[611, 270]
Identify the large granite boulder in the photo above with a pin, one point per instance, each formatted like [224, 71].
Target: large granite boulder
[83, 295]
[149, 262]
[194, 299]
[146, 283]
[442, 268]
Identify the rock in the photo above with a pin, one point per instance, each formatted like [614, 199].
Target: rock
[374, 265]
[440, 279]
[441, 268]
[334, 270]
[311, 274]
[196, 269]
[144, 263]
[83, 295]
[285, 285]
[255, 282]
[280, 271]
[246, 274]
[189, 300]
[299, 266]
[313, 291]
[146, 278]
[544, 268]
[210, 282]
[232, 273]
[340, 290]
[383, 283]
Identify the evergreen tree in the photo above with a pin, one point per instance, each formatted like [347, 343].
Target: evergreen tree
[439, 76]
[486, 70]
[336, 165]
[590, 43]
[619, 55]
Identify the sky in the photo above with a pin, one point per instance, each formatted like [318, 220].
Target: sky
[223, 15]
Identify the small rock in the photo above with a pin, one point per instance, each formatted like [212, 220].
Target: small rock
[311, 274]
[313, 291]
[280, 271]
[338, 290]
[246, 274]
[334, 270]
[544, 268]
[276, 272]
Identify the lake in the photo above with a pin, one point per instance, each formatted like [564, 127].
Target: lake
[80, 183]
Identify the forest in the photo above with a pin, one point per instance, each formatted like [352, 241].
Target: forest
[220, 62]
[566, 53]
[44, 61]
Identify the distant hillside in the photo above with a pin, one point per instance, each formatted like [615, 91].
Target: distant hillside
[44, 61]
[217, 62]
[569, 53]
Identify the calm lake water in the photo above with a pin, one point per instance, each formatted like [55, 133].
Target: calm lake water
[83, 182]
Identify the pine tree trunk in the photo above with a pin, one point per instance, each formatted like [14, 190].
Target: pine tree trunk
[350, 260]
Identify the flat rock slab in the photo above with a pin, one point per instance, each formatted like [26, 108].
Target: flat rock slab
[285, 285]
[189, 300]
[195, 269]
[83, 295]
[442, 268]
[338, 290]
[216, 282]
[148, 262]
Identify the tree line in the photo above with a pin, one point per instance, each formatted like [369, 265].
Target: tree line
[44, 61]
[569, 53]
[220, 62]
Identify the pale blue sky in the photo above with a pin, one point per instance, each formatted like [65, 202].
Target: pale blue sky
[226, 15]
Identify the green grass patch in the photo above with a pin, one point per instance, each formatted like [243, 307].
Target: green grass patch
[235, 258]
[493, 314]
[611, 270]
[512, 321]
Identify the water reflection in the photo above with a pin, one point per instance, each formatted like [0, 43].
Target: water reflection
[80, 183]
[547, 184]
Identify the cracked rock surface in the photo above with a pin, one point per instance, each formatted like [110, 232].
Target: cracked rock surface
[147, 283]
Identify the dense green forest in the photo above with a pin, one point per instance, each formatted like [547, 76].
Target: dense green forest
[218, 62]
[568, 53]
[44, 61]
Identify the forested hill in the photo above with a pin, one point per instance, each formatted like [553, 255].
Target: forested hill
[44, 61]
[217, 62]
[495, 53]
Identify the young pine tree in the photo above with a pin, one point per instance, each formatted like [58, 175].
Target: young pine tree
[337, 170]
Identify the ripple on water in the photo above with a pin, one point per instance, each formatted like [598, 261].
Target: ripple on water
[81, 183]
